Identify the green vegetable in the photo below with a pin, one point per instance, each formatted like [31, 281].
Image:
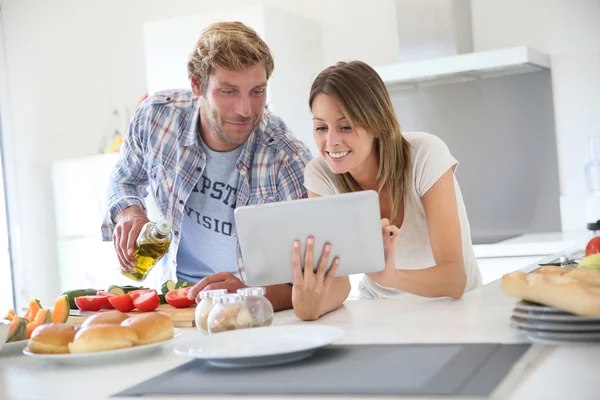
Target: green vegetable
[72, 294]
[162, 298]
[167, 286]
[183, 284]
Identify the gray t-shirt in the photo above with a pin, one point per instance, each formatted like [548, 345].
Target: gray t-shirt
[208, 235]
[431, 158]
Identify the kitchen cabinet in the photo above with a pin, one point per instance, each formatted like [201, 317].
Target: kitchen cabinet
[80, 186]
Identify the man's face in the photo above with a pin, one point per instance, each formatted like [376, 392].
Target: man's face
[232, 105]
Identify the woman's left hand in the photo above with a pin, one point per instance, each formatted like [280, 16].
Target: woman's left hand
[390, 241]
[310, 287]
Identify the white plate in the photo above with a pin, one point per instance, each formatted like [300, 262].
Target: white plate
[559, 336]
[554, 317]
[538, 308]
[556, 326]
[259, 346]
[13, 347]
[103, 356]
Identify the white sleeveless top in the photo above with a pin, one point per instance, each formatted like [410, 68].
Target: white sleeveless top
[431, 158]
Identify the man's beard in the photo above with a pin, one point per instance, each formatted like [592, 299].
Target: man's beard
[219, 129]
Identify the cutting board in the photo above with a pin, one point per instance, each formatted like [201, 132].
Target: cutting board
[182, 317]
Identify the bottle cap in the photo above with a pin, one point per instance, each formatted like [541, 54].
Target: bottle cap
[252, 291]
[228, 299]
[163, 227]
[206, 294]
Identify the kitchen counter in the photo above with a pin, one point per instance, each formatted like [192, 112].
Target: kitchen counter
[546, 372]
[535, 244]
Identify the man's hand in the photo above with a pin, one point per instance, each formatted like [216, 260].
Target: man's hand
[390, 241]
[220, 280]
[310, 287]
[130, 222]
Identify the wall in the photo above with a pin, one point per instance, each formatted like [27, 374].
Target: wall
[71, 63]
[568, 30]
[499, 130]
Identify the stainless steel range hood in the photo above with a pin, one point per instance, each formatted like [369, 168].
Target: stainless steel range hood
[463, 67]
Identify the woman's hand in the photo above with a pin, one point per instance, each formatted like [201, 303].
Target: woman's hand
[390, 241]
[310, 287]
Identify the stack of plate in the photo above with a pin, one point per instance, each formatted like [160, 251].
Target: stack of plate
[547, 324]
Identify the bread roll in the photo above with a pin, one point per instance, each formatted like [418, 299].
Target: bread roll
[52, 338]
[113, 317]
[591, 276]
[560, 291]
[551, 269]
[103, 337]
[151, 327]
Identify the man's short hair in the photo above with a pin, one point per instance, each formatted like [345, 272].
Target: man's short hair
[230, 45]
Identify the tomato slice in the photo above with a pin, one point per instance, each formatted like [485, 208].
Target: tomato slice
[123, 303]
[148, 301]
[89, 303]
[105, 295]
[178, 298]
[136, 293]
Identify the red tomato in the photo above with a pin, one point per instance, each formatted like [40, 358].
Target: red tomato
[105, 296]
[123, 303]
[89, 303]
[178, 298]
[135, 293]
[148, 301]
[593, 246]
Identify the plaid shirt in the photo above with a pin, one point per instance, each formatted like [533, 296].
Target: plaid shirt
[160, 151]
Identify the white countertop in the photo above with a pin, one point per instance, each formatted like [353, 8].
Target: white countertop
[535, 244]
[565, 372]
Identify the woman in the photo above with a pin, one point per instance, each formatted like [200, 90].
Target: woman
[427, 240]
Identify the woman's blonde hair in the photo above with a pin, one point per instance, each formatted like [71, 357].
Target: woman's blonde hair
[230, 45]
[365, 102]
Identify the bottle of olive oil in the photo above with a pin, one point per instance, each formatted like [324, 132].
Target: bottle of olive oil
[151, 245]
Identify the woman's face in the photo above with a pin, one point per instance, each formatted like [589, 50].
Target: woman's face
[343, 148]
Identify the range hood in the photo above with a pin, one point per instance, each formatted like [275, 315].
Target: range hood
[463, 67]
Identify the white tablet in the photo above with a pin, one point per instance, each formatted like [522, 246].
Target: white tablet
[351, 222]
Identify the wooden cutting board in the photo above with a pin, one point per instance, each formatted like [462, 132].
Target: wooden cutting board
[182, 317]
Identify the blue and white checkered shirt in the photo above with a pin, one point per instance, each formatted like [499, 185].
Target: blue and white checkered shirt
[160, 151]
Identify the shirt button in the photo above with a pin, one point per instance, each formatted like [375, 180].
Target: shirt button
[199, 169]
[176, 233]
[180, 201]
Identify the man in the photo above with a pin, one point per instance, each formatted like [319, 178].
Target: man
[205, 152]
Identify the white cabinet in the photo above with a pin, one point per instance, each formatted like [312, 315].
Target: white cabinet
[80, 187]
[295, 42]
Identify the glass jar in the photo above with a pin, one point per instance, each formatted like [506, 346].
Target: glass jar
[228, 313]
[259, 306]
[205, 306]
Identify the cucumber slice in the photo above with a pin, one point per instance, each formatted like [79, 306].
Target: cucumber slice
[116, 290]
[183, 284]
[167, 286]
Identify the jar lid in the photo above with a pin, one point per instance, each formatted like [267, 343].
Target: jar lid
[211, 294]
[228, 299]
[252, 291]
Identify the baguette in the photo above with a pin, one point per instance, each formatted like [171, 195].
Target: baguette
[561, 291]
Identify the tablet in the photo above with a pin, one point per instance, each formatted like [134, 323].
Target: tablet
[351, 222]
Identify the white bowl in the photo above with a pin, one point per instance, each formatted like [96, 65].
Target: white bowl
[4, 329]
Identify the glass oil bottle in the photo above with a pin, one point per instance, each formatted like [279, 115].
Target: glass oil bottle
[151, 245]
